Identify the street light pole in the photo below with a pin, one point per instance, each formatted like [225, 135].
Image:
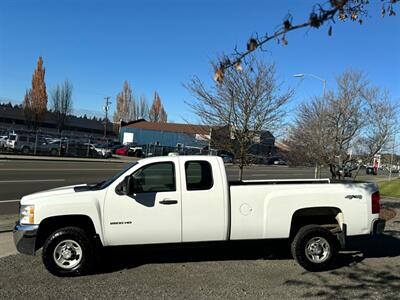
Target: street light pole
[301, 75]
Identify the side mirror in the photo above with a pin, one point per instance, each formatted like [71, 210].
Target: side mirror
[129, 181]
[126, 186]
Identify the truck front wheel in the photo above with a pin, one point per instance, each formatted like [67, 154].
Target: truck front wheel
[314, 248]
[68, 252]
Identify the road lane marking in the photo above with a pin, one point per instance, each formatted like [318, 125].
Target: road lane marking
[9, 201]
[31, 180]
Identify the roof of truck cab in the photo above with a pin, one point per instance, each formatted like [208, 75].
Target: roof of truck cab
[167, 158]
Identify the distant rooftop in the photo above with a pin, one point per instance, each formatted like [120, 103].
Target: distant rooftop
[171, 127]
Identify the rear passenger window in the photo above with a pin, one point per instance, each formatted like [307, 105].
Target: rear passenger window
[198, 175]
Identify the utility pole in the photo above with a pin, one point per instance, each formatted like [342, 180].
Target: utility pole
[106, 108]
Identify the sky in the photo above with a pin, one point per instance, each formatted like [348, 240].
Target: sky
[160, 45]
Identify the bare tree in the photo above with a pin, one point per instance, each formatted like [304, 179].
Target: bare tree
[329, 130]
[382, 123]
[321, 13]
[128, 108]
[61, 98]
[247, 102]
[142, 108]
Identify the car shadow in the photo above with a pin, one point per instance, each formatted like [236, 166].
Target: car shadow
[114, 259]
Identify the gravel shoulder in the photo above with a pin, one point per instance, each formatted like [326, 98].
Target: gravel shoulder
[234, 271]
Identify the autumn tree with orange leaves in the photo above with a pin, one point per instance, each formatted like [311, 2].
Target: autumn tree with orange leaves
[35, 101]
[157, 112]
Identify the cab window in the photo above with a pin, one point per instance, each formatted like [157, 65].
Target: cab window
[157, 177]
[198, 175]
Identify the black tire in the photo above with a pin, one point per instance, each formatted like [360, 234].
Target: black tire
[54, 152]
[318, 238]
[80, 238]
[25, 150]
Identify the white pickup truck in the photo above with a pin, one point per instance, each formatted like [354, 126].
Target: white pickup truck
[186, 199]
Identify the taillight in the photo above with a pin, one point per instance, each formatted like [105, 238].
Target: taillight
[376, 205]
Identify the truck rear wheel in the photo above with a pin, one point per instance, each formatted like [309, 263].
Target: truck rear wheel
[315, 248]
[68, 252]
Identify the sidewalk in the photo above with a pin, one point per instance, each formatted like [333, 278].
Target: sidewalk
[7, 244]
[7, 223]
[115, 159]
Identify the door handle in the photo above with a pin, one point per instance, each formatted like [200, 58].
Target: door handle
[168, 202]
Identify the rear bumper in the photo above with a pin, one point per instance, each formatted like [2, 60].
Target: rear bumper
[378, 226]
[25, 238]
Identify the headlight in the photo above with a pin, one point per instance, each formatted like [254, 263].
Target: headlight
[27, 214]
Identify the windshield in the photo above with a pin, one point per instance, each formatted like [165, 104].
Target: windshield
[110, 180]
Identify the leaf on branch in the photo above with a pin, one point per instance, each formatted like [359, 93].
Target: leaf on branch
[314, 20]
[383, 11]
[287, 25]
[392, 12]
[284, 41]
[342, 15]
[354, 16]
[252, 44]
[219, 75]
[238, 66]
[330, 31]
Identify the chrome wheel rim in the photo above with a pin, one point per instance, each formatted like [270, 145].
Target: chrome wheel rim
[67, 254]
[317, 250]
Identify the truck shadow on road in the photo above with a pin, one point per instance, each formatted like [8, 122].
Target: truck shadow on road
[120, 258]
[355, 278]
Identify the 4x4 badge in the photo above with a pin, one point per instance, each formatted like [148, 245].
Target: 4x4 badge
[353, 196]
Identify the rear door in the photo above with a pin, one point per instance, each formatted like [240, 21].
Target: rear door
[204, 205]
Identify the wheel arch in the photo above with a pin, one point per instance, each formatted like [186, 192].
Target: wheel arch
[327, 216]
[48, 225]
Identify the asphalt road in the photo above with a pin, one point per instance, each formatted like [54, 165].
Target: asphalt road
[23, 177]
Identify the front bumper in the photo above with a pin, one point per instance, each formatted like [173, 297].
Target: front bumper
[25, 238]
[378, 226]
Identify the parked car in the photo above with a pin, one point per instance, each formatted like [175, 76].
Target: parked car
[280, 162]
[130, 150]
[26, 143]
[3, 140]
[187, 199]
[103, 150]
[226, 158]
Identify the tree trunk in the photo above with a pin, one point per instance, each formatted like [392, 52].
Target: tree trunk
[241, 171]
[332, 169]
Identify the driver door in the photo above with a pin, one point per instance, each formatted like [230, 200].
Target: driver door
[151, 213]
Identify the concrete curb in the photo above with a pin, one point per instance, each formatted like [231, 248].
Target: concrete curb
[119, 159]
[7, 222]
